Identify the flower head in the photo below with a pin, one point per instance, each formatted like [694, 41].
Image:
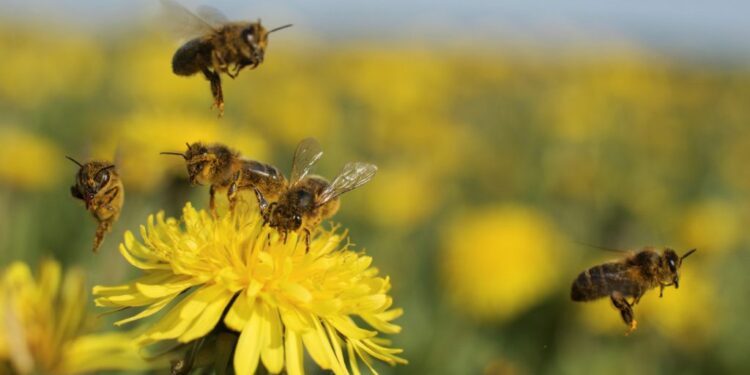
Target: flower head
[500, 261]
[43, 322]
[233, 273]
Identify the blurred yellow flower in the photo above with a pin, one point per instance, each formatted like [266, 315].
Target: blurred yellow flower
[289, 105]
[713, 225]
[687, 315]
[409, 81]
[401, 197]
[36, 161]
[40, 66]
[144, 73]
[136, 141]
[277, 295]
[499, 261]
[44, 326]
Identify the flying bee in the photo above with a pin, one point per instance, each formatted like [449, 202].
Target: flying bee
[307, 200]
[629, 277]
[99, 186]
[224, 169]
[221, 46]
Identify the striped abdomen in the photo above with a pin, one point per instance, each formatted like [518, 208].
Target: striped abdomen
[605, 279]
[192, 57]
[265, 177]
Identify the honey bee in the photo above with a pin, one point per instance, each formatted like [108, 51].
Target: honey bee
[629, 277]
[99, 186]
[224, 169]
[307, 200]
[222, 47]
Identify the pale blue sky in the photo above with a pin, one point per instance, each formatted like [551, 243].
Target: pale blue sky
[682, 25]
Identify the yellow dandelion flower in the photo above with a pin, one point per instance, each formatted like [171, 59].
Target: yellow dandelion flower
[28, 151]
[235, 273]
[43, 324]
[499, 262]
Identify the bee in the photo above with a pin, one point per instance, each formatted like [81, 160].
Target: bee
[629, 277]
[99, 186]
[307, 200]
[224, 169]
[221, 47]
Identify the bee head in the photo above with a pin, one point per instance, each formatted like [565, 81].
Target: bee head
[256, 37]
[200, 160]
[672, 263]
[91, 178]
[285, 216]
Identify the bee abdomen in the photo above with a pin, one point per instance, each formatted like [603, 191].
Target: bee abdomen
[594, 283]
[191, 57]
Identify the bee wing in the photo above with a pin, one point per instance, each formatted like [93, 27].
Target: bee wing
[307, 154]
[352, 176]
[211, 15]
[185, 24]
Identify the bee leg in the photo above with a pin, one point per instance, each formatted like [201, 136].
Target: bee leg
[307, 240]
[626, 311]
[232, 192]
[103, 228]
[76, 193]
[661, 288]
[265, 208]
[184, 365]
[637, 298]
[212, 200]
[216, 90]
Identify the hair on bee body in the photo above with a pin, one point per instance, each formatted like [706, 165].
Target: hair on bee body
[307, 200]
[630, 277]
[99, 186]
[219, 46]
[225, 170]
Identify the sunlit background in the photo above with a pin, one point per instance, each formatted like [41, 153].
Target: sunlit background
[510, 136]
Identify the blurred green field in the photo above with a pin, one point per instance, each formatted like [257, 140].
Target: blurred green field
[494, 167]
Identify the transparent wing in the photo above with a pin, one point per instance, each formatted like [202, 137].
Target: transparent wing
[307, 154]
[211, 15]
[183, 23]
[351, 177]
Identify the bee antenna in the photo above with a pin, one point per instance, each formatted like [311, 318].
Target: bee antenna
[687, 254]
[280, 28]
[74, 161]
[187, 144]
[600, 247]
[173, 153]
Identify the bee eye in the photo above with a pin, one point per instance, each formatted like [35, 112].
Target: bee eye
[672, 265]
[250, 37]
[105, 177]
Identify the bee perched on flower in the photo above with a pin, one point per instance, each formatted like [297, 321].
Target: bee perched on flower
[234, 280]
[43, 326]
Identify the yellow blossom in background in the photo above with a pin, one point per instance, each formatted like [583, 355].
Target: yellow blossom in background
[713, 226]
[280, 298]
[145, 74]
[37, 67]
[500, 261]
[44, 328]
[401, 197]
[25, 154]
[687, 315]
[409, 81]
[136, 141]
[289, 105]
